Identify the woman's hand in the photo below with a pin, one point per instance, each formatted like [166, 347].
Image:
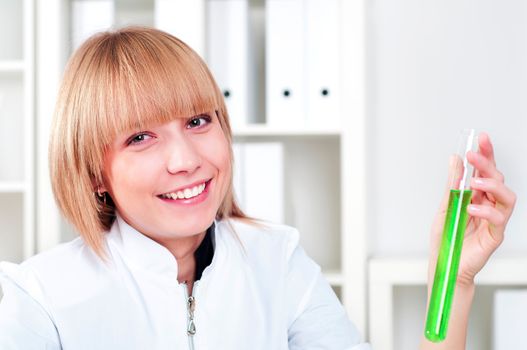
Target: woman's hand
[490, 209]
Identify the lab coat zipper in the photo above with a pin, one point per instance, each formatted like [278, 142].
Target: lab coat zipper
[191, 306]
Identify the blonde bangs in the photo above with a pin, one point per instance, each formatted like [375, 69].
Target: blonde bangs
[140, 79]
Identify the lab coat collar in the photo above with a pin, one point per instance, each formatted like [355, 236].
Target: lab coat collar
[142, 252]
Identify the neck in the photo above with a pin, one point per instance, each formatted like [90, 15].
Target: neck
[183, 250]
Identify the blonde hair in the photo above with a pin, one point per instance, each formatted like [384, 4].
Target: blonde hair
[116, 81]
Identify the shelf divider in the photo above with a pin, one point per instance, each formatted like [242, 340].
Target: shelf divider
[265, 130]
[12, 66]
[12, 187]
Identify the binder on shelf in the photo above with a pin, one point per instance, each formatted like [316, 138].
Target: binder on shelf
[322, 61]
[285, 95]
[510, 318]
[12, 29]
[185, 19]
[89, 17]
[12, 220]
[259, 175]
[133, 13]
[228, 54]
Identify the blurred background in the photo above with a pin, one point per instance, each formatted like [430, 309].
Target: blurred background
[344, 115]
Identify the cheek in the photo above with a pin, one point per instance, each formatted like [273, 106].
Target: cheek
[222, 154]
[217, 152]
[130, 174]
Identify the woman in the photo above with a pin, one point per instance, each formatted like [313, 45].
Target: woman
[140, 158]
[141, 164]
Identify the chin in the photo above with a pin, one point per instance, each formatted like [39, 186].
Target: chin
[191, 227]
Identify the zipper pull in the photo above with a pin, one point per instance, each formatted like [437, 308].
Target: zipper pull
[191, 305]
[191, 329]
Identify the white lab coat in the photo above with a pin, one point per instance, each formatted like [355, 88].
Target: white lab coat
[267, 295]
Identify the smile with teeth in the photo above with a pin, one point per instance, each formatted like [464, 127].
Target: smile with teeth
[186, 193]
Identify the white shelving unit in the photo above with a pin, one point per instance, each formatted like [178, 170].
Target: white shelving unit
[17, 124]
[387, 275]
[325, 173]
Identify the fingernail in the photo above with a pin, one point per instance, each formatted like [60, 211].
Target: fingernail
[451, 161]
[478, 181]
[472, 208]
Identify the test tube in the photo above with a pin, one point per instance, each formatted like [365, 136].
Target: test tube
[447, 265]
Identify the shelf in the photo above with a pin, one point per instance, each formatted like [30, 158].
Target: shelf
[265, 130]
[302, 166]
[12, 187]
[14, 66]
[504, 271]
[334, 277]
[398, 291]
[413, 271]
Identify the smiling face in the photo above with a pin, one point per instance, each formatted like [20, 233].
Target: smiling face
[168, 180]
[131, 119]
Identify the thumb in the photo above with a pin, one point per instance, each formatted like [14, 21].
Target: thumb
[455, 166]
[455, 173]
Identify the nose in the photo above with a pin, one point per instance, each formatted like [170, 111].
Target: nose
[182, 155]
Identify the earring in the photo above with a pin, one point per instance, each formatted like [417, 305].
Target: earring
[101, 195]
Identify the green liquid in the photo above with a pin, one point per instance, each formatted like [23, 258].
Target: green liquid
[447, 266]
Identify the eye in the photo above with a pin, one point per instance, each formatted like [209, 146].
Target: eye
[138, 139]
[198, 121]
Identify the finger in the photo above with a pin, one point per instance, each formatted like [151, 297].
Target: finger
[497, 190]
[495, 217]
[484, 166]
[480, 197]
[486, 148]
[491, 214]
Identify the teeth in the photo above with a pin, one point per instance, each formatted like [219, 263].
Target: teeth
[186, 193]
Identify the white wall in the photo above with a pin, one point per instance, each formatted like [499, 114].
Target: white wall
[436, 67]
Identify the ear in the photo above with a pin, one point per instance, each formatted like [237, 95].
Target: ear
[98, 187]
